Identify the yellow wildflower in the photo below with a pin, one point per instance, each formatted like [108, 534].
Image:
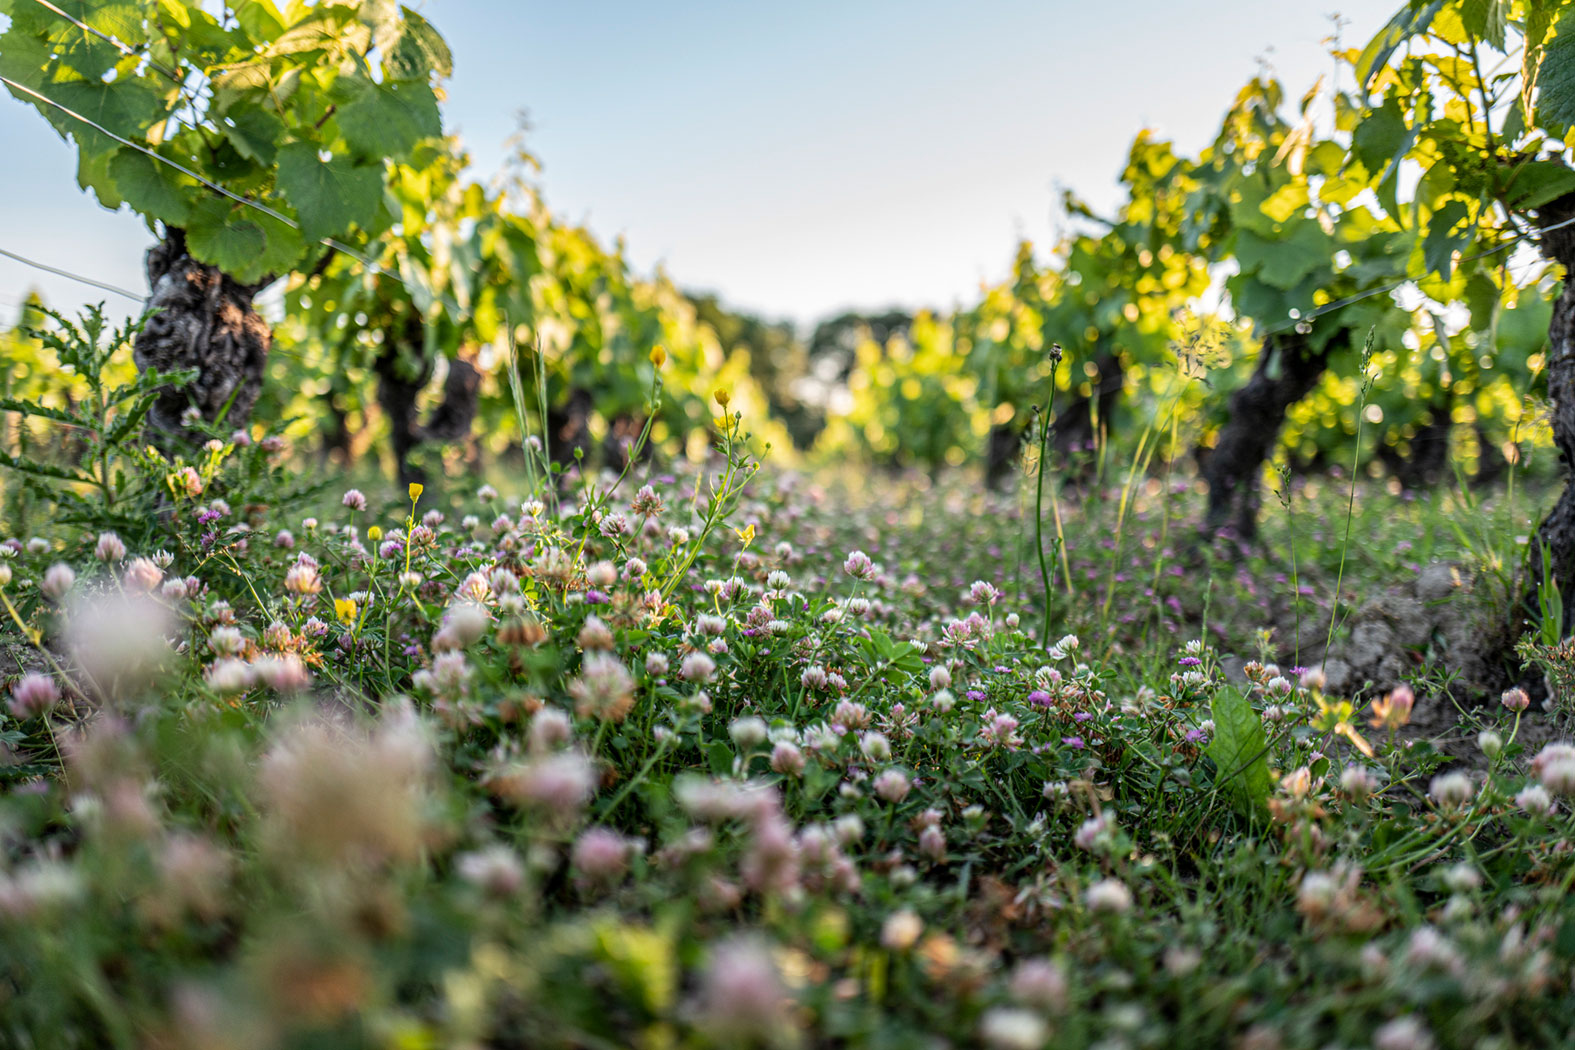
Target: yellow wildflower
[374, 533]
[658, 355]
[722, 398]
[344, 610]
[416, 489]
[747, 534]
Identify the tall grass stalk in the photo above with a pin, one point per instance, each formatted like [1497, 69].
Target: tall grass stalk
[1350, 504]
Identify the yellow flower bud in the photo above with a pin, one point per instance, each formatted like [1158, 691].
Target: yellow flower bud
[416, 489]
[658, 355]
[374, 533]
[722, 397]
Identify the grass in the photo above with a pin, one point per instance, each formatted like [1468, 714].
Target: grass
[709, 755]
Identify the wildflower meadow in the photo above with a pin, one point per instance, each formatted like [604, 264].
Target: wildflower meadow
[480, 643]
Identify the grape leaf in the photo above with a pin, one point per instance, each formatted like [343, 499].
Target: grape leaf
[1443, 240]
[1538, 182]
[253, 131]
[1284, 263]
[421, 51]
[124, 107]
[1556, 101]
[240, 240]
[1486, 20]
[328, 196]
[386, 120]
[153, 189]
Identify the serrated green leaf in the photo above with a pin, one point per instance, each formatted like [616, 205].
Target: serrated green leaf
[1538, 182]
[323, 28]
[328, 196]
[253, 131]
[1448, 231]
[93, 175]
[33, 408]
[1556, 99]
[1285, 263]
[421, 51]
[28, 465]
[386, 120]
[1413, 19]
[1240, 751]
[154, 190]
[125, 107]
[259, 19]
[1380, 137]
[1486, 20]
[241, 241]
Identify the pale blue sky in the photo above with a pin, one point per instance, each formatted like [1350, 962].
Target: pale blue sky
[797, 157]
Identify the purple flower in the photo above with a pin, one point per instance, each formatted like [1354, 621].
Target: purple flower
[597, 598]
[976, 694]
[1073, 742]
[1194, 735]
[1191, 661]
[1081, 716]
[1039, 698]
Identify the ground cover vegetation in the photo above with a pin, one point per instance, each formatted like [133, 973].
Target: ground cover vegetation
[481, 643]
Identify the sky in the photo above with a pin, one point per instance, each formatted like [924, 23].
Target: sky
[797, 158]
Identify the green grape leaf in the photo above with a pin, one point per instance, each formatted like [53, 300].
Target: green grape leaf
[1240, 750]
[1536, 183]
[259, 19]
[1285, 263]
[421, 51]
[328, 196]
[240, 240]
[1412, 20]
[253, 131]
[1448, 231]
[1486, 20]
[124, 107]
[1556, 100]
[386, 120]
[154, 190]
[1380, 138]
[322, 29]
[93, 174]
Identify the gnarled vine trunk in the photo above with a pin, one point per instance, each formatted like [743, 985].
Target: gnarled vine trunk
[1286, 372]
[1072, 433]
[1556, 535]
[449, 421]
[203, 319]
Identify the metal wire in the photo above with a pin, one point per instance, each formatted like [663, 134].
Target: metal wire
[58, 272]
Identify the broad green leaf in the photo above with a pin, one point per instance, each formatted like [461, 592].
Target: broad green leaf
[93, 174]
[241, 241]
[125, 107]
[328, 196]
[1448, 231]
[1240, 750]
[1285, 263]
[326, 28]
[1486, 20]
[1536, 183]
[253, 131]
[1380, 138]
[1413, 19]
[386, 120]
[421, 51]
[1556, 100]
[154, 190]
[259, 19]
